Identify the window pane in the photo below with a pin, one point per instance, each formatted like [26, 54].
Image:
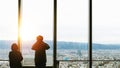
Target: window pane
[8, 26]
[106, 33]
[72, 33]
[37, 19]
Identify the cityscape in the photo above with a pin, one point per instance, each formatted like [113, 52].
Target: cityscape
[69, 57]
[101, 59]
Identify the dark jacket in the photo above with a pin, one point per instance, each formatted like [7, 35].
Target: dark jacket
[15, 59]
[40, 52]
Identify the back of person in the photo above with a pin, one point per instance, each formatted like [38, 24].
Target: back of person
[40, 48]
[41, 52]
[15, 57]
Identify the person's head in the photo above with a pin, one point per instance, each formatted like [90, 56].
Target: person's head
[39, 38]
[14, 47]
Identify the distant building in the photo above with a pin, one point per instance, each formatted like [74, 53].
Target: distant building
[79, 53]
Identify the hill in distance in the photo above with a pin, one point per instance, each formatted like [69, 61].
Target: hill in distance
[6, 44]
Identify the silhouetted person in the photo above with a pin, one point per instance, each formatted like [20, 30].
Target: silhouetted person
[40, 48]
[15, 57]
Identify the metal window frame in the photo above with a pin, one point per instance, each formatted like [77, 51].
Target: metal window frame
[19, 22]
[55, 32]
[55, 35]
[89, 39]
[90, 34]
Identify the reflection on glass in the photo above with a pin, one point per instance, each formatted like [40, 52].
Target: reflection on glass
[106, 34]
[72, 30]
[37, 19]
[8, 26]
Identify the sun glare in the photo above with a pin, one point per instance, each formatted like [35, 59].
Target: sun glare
[27, 33]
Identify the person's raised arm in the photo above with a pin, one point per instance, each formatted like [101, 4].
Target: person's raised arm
[47, 46]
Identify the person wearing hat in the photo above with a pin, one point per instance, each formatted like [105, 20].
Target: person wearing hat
[40, 48]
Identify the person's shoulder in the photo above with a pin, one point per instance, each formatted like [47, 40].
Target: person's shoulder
[11, 52]
[14, 52]
[18, 51]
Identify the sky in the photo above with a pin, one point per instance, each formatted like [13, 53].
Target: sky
[72, 20]
[106, 21]
[8, 19]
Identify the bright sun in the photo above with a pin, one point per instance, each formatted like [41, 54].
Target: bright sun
[27, 33]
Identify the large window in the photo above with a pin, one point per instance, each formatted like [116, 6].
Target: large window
[106, 34]
[72, 33]
[8, 28]
[37, 19]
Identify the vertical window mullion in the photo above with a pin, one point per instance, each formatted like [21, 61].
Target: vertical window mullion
[55, 34]
[90, 33]
[19, 18]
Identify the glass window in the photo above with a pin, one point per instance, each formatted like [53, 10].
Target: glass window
[106, 34]
[37, 19]
[72, 30]
[8, 26]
